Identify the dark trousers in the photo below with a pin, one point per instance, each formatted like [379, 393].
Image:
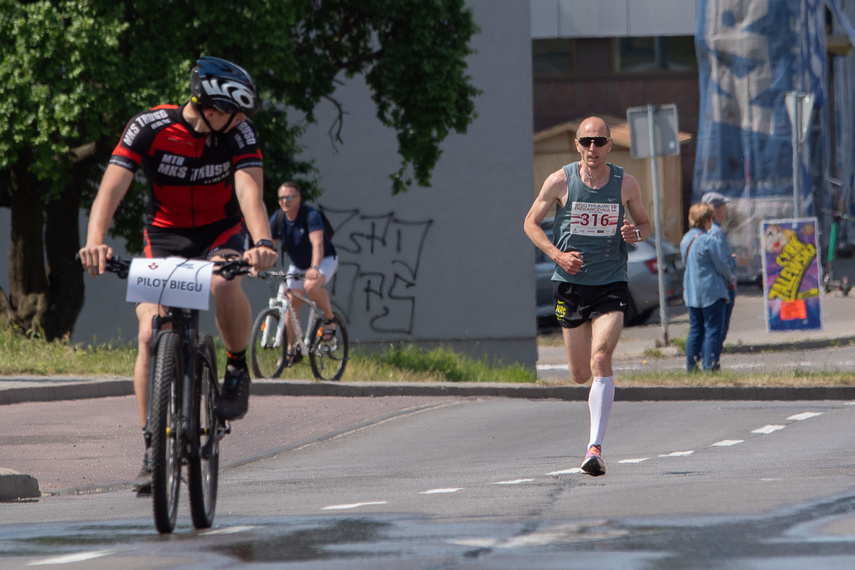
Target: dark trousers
[706, 335]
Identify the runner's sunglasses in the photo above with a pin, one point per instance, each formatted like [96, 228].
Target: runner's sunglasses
[598, 141]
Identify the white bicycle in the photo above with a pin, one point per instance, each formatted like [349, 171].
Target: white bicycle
[268, 342]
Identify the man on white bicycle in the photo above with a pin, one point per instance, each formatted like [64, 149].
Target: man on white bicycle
[305, 239]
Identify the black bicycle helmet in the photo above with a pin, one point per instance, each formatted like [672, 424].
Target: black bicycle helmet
[221, 84]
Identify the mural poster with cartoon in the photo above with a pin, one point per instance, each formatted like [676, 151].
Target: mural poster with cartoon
[791, 275]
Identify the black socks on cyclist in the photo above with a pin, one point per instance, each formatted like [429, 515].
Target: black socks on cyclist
[236, 360]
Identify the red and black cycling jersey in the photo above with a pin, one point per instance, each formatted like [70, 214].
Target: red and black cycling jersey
[190, 175]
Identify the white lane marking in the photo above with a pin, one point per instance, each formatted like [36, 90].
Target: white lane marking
[440, 491]
[475, 542]
[767, 429]
[227, 530]
[354, 506]
[567, 471]
[727, 442]
[553, 367]
[514, 482]
[72, 558]
[678, 453]
[804, 416]
[768, 479]
[637, 460]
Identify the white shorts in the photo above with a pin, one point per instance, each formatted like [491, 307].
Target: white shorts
[329, 265]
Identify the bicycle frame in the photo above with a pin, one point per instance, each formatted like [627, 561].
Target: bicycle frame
[282, 303]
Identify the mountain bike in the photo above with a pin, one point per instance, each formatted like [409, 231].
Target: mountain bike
[268, 343]
[182, 393]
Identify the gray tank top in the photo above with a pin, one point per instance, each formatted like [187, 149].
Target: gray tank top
[590, 223]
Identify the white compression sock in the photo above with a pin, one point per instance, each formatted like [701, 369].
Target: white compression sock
[600, 400]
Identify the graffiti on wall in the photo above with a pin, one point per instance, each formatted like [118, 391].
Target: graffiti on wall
[379, 258]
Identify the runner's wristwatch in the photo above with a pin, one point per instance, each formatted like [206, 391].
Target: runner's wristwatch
[265, 243]
[638, 235]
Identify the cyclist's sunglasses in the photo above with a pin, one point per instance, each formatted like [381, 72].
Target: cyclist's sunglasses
[598, 141]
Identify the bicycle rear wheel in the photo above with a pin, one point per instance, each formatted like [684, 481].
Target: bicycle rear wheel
[329, 357]
[266, 351]
[203, 473]
[165, 447]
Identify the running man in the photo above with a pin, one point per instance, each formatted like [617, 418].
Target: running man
[590, 234]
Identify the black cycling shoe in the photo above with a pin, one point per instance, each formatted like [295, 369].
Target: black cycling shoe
[234, 401]
[292, 358]
[142, 484]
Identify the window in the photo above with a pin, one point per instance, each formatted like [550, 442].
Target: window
[552, 57]
[656, 54]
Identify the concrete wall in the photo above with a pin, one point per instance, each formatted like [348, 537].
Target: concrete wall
[447, 264]
[612, 18]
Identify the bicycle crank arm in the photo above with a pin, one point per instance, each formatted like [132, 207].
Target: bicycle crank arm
[208, 448]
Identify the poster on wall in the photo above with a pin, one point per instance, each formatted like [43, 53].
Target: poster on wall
[791, 275]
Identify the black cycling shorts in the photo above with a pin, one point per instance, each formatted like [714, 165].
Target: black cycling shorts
[577, 304]
[202, 242]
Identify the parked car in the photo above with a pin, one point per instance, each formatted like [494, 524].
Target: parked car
[641, 272]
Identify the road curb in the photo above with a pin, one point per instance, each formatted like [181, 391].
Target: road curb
[87, 389]
[42, 390]
[15, 486]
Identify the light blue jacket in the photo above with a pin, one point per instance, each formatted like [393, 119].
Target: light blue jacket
[707, 273]
[718, 233]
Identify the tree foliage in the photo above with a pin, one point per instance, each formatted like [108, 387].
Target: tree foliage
[72, 72]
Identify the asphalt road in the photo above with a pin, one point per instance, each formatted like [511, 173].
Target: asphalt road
[483, 483]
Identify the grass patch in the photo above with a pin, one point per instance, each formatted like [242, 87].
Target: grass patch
[29, 355]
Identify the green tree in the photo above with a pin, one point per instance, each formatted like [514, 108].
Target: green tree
[72, 72]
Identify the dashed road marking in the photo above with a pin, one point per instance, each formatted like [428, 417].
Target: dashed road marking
[441, 491]
[637, 460]
[767, 429]
[227, 530]
[354, 505]
[727, 442]
[73, 558]
[678, 453]
[804, 416]
[514, 482]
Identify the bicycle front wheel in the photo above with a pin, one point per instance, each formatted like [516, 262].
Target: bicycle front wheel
[203, 466]
[329, 357]
[165, 447]
[266, 349]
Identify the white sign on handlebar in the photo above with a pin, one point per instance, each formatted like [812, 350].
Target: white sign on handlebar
[171, 281]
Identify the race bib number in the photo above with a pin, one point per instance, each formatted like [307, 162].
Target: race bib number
[590, 219]
[171, 281]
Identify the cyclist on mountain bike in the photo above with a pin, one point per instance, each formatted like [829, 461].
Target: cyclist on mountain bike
[205, 173]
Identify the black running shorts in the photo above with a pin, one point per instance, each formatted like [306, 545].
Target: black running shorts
[578, 304]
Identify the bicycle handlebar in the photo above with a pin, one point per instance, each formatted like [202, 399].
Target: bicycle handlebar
[229, 268]
[279, 274]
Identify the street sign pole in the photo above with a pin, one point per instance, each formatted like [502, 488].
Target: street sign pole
[799, 107]
[662, 139]
[657, 215]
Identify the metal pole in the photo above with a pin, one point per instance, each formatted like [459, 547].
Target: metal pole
[654, 168]
[796, 157]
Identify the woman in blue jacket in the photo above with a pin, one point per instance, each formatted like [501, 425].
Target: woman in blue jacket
[705, 284]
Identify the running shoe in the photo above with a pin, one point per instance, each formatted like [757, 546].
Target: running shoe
[593, 464]
[142, 484]
[234, 401]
